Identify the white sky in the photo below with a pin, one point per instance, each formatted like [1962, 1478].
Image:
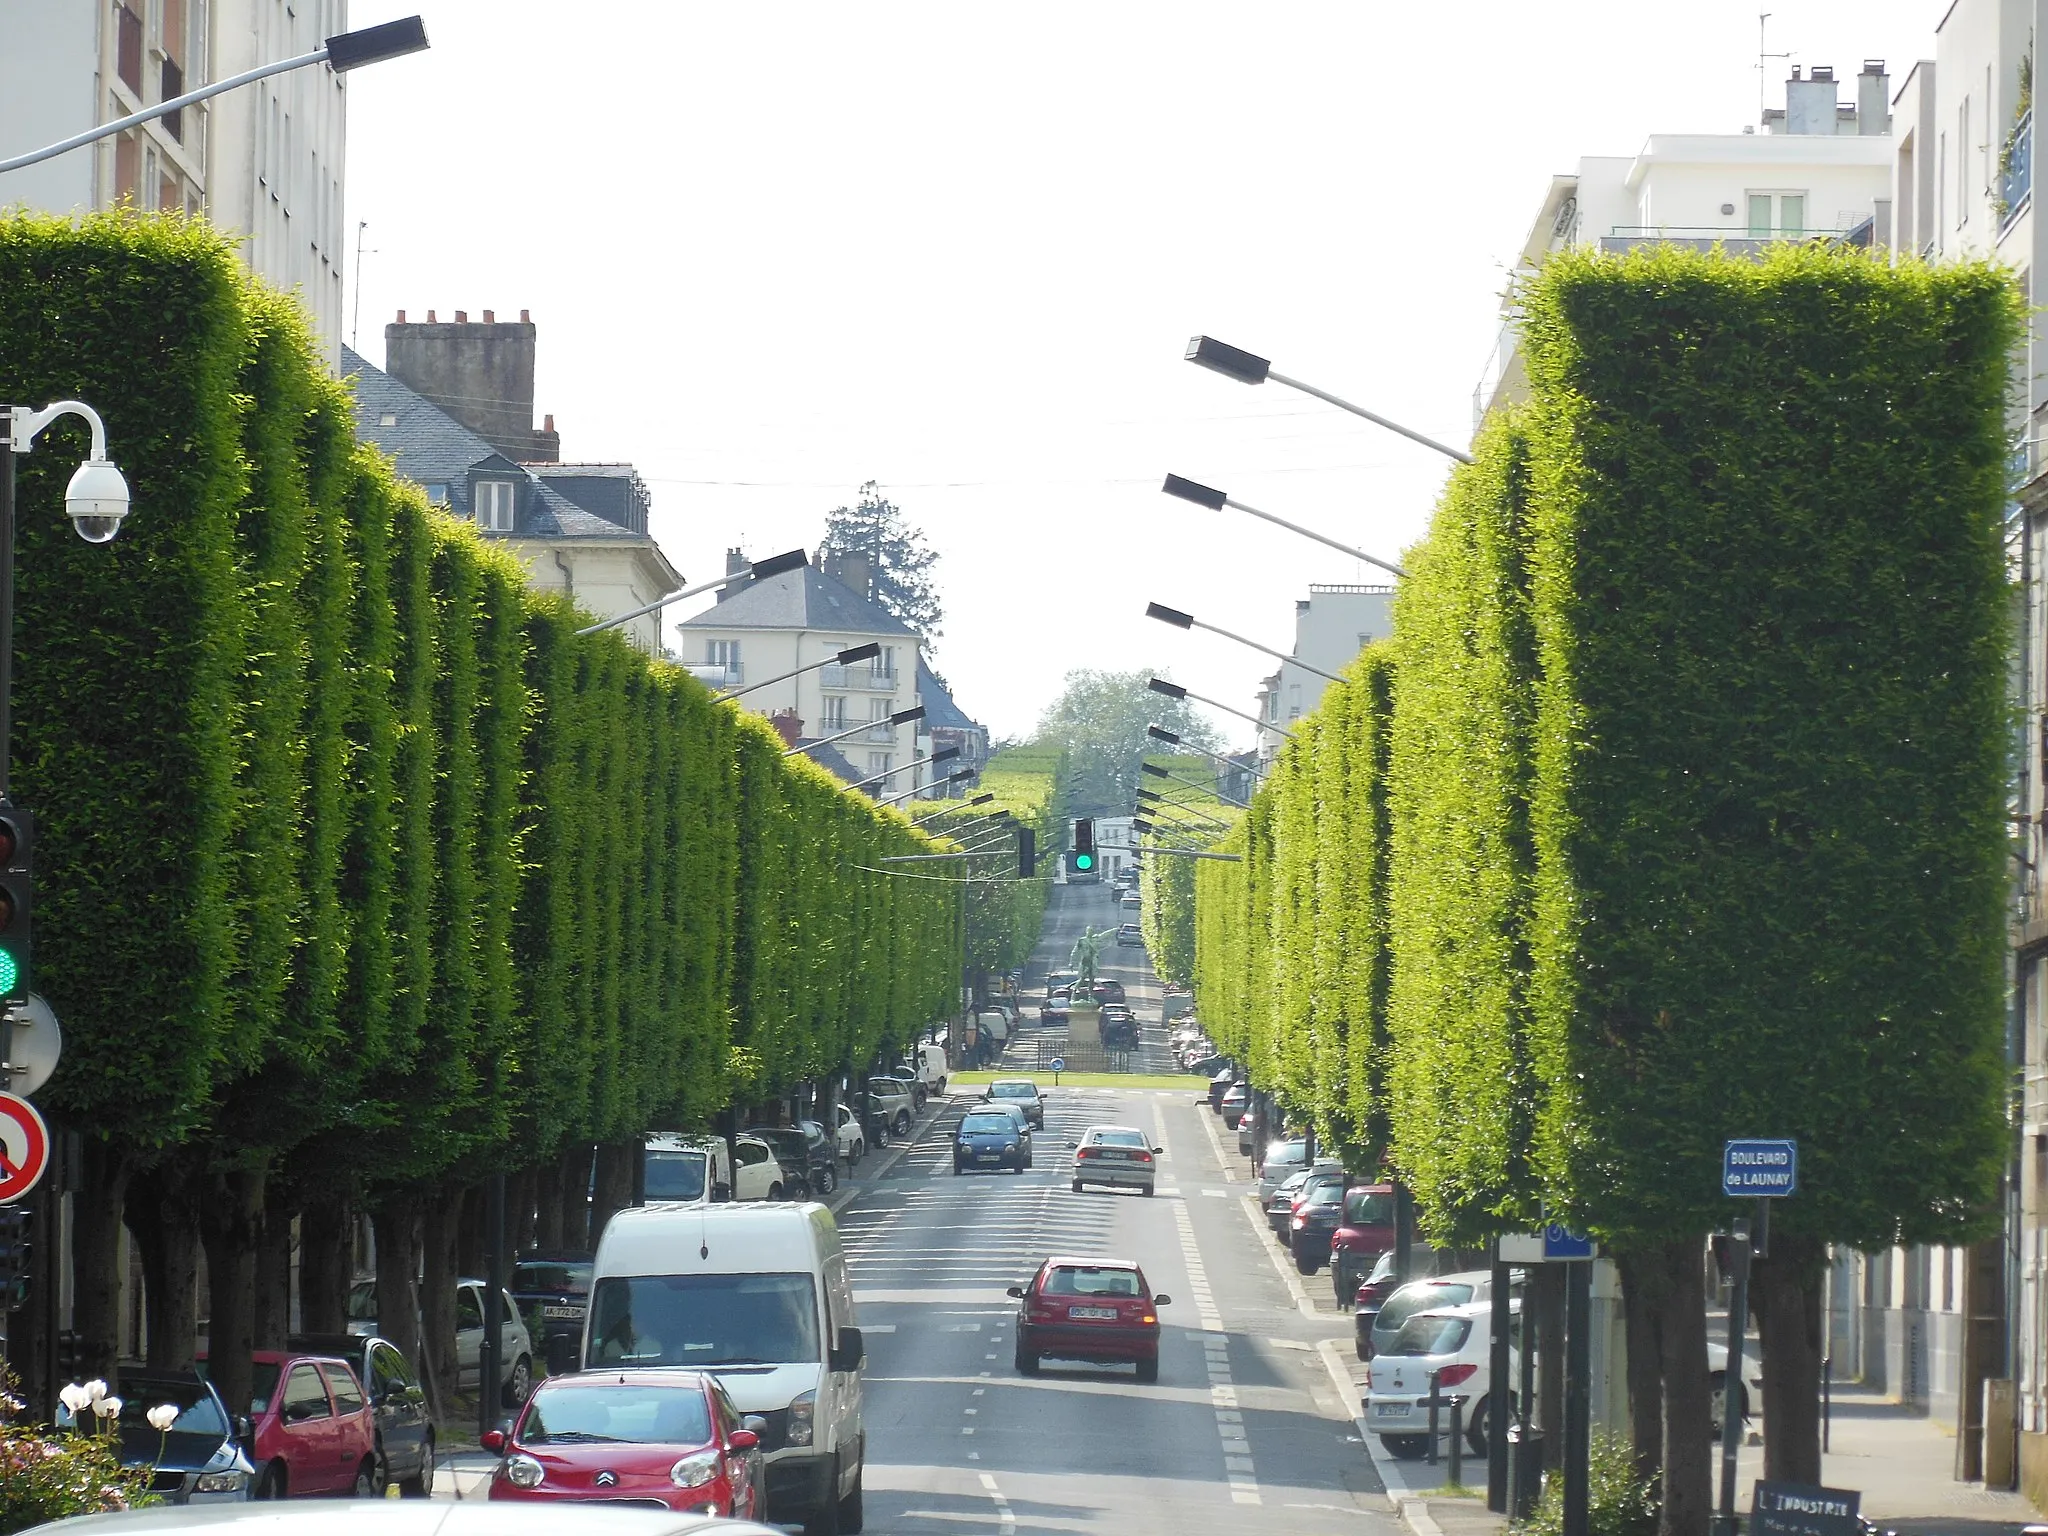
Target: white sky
[777, 250]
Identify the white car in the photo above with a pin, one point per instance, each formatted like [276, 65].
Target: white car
[1455, 1342]
[898, 1108]
[853, 1146]
[676, 1170]
[1116, 1155]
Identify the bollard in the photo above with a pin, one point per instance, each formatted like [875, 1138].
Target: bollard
[1827, 1398]
[1435, 1401]
[1458, 1441]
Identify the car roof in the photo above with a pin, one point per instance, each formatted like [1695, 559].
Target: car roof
[293, 1356]
[1132, 1130]
[1013, 1082]
[1086, 1261]
[555, 1256]
[320, 1517]
[1462, 1277]
[632, 1376]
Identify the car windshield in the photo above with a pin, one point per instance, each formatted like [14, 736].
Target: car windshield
[566, 1277]
[1119, 1138]
[1015, 1090]
[987, 1125]
[262, 1384]
[1429, 1333]
[1285, 1152]
[1087, 1280]
[362, 1302]
[1385, 1268]
[1411, 1299]
[674, 1174]
[193, 1436]
[637, 1415]
[1323, 1192]
[1369, 1208]
[704, 1320]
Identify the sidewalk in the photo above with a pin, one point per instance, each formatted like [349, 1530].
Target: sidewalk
[1904, 1466]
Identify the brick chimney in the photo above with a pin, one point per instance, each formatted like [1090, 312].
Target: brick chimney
[788, 725]
[482, 375]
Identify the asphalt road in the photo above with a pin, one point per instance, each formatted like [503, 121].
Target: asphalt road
[1244, 1430]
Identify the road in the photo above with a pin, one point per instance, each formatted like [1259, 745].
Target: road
[1245, 1426]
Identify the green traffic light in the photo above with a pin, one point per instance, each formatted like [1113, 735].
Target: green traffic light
[1081, 861]
[10, 971]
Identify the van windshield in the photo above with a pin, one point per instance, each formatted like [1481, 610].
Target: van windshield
[675, 1175]
[704, 1321]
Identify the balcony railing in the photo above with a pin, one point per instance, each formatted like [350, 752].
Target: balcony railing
[856, 677]
[2016, 172]
[881, 730]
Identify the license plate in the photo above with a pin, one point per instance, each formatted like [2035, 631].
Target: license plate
[1093, 1313]
[1114, 1157]
[988, 1157]
[1390, 1410]
[561, 1311]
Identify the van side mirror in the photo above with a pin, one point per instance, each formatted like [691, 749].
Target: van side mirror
[493, 1440]
[1016, 1291]
[1162, 1300]
[721, 1191]
[849, 1352]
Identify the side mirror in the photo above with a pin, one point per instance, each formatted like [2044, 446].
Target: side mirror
[849, 1352]
[415, 1396]
[1162, 1300]
[1016, 1291]
[1159, 1151]
[493, 1440]
[754, 1422]
[720, 1192]
[743, 1440]
[245, 1431]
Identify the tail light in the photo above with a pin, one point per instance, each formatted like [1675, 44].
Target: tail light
[1141, 1157]
[1451, 1375]
[1299, 1220]
[1085, 1152]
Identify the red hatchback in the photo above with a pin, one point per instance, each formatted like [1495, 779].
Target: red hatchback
[1088, 1309]
[663, 1439]
[314, 1433]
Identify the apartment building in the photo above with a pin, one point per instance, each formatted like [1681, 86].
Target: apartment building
[265, 161]
[1331, 626]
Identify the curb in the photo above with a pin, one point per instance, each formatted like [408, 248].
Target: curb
[848, 1192]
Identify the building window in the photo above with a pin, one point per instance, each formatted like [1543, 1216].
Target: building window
[883, 663]
[878, 710]
[1777, 214]
[834, 710]
[437, 493]
[494, 505]
[390, 419]
[128, 48]
[723, 653]
[127, 168]
[878, 762]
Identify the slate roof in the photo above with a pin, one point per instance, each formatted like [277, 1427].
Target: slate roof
[805, 598]
[941, 713]
[832, 760]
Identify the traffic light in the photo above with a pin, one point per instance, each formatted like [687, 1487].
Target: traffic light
[1027, 853]
[17, 842]
[1084, 843]
[14, 1256]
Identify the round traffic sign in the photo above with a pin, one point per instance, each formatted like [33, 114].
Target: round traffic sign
[34, 1047]
[1059, 1063]
[24, 1148]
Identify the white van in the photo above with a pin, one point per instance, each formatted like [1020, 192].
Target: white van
[673, 1170]
[759, 1296]
[930, 1061]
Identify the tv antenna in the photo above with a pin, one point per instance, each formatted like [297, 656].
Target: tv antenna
[1763, 66]
[356, 318]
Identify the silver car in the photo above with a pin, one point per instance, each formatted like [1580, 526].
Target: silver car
[1121, 1156]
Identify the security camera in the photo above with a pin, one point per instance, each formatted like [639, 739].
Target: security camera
[97, 500]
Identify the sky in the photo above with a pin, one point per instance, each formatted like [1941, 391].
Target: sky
[774, 251]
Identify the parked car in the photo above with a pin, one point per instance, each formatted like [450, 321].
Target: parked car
[910, 1085]
[807, 1159]
[1219, 1084]
[874, 1112]
[1088, 1309]
[1364, 1232]
[515, 1348]
[1021, 1091]
[1455, 1344]
[553, 1291]
[398, 1407]
[690, 1170]
[846, 1131]
[197, 1460]
[1119, 1156]
[1280, 1209]
[927, 1062]
[1438, 1293]
[897, 1106]
[311, 1430]
[1366, 1301]
[1236, 1099]
[1055, 1009]
[1206, 1066]
[1128, 936]
[1282, 1161]
[1107, 991]
[477, 1517]
[1247, 1134]
[667, 1438]
[1315, 1218]
[992, 1140]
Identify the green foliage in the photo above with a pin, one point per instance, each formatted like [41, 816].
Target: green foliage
[1100, 718]
[1620, 1501]
[1192, 815]
[47, 1476]
[900, 560]
[1004, 914]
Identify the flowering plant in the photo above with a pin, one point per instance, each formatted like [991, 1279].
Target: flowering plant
[47, 1476]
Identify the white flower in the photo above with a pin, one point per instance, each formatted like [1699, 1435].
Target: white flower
[96, 1390]
[162, 1417]
[109, 1408]
[74, 1397]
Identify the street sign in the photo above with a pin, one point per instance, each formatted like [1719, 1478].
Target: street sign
[24, 1148]
[1767, 1170]
[1555, 1244]
[1059, 1063]
[33, 1046]
[1795, 1509]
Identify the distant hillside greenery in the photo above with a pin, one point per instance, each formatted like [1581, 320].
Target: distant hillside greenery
[1100, 719]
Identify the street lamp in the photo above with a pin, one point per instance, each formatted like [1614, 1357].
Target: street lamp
[901, 717]
[760, 570]
[1215, 500]
[960, 776]
[1250, 368]
[346, 51]
[954, 810]
[843, 658]
[1158, 772]
[1172, 738]
[96, 500]
[1152, 800]
[1179, 620]
[943, 755]
[1176, 692]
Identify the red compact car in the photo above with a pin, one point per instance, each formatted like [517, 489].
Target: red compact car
[667, 1439]
[1088, 1309]
[1365, 1232]
[314, 1432]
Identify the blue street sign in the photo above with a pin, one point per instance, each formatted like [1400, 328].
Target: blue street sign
[1760, 1169]
[1561, 1242]
[1059, 1063]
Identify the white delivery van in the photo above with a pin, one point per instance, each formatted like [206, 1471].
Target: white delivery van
[931, 1067]
[757, 1295]
[674, 1169]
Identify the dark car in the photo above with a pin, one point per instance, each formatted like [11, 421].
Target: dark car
[805, 1155]
[991, 1139]
[1220, 1085]
[195, 1461]
[1107, 991]
[1366, 1301]
[398, 1406]
[553, 1292]
[1365, 1232]
[1088, 1309]
[1208, 1066]
[1316, 1218]
[1236, 1098]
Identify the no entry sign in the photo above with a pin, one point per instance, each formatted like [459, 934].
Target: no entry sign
[24, 1148]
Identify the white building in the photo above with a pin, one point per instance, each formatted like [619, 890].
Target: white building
[264, 161]
[1331, 626]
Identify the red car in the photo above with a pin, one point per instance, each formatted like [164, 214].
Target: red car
[1365, 1231]
[661, 1437]
[314, 1432]
[1088, 1309]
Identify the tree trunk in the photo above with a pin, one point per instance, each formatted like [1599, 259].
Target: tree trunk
[614, 1183]
[548, 1203]
[164, 1223]
[230, 1223]
[1548, 1290]
[577, 1231]
[519, 1201]
[1785, 1294]
[326, 1264]
[1687, 1470]
[1644, 1316]
[439, 1212]
[395, 1221]
[96, 1256]
[273, 1297]
[470, 1241]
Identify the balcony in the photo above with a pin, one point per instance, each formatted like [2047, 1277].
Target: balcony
[1735, 239]
[856, 678]
[881, 731]
[2016, 173]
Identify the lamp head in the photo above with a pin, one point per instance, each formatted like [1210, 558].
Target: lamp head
[1193, 490]
[97, 500]
[1161, 733]
[1231, 362]
[1171, 690]
[1166, 615]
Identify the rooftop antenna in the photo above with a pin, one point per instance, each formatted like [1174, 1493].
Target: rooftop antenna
[1763, 66]
[355, 322]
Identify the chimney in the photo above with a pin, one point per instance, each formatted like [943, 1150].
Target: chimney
[1810, 103]
[788, 725]
[855, 568]
[736, 563]
[1873, 99]
[525, 318]
[490, 318]
[482, 375]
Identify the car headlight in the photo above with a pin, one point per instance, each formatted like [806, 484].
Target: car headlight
[802, 1411]
[220, 1482]
[694, 1471]
[524, 1472]
[1009, 1146]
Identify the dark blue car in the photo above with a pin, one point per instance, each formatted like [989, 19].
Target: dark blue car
[991, 1139]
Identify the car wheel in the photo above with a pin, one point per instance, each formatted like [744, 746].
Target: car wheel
[1304, 1265]
[1148, 1370]
[849, 1508]
[271, 1484]
[1405, 1447]
[902, 1125]
[825, 1521]
[1476, 1425]
[1027, 1362]
[421, 1484]
[1363, 1349]
[1715, 1383]
[827, 1181]
[368, 1484]
[956, 1170]
[519, 1386]
[1077, 1186]
[776, 1192]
